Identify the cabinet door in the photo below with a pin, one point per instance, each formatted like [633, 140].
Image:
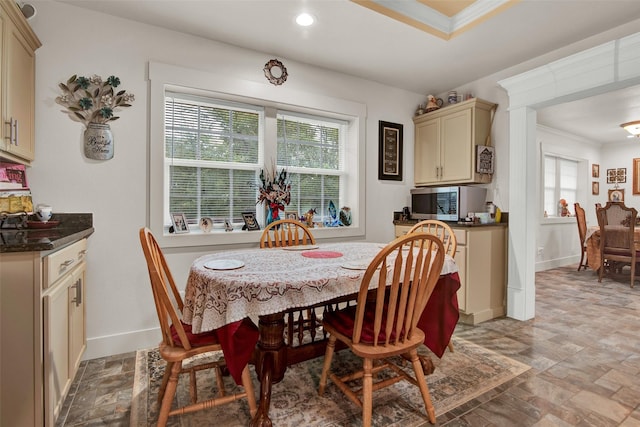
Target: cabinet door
[19, 79]
[427, 152]
[461, 262]
[401, 230]
[56, 347]
[77, 333]
[456, 147]
[3, 28]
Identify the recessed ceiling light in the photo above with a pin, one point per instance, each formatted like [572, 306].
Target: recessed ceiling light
[305, 19]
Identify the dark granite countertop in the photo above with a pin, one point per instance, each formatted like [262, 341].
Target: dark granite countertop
[456, 224]
[72, 227]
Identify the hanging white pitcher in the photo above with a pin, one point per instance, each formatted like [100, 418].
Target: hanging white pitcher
[98, 141]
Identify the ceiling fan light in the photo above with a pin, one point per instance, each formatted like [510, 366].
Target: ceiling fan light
[632, 127]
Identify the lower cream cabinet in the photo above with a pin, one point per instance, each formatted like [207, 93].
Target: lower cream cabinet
[42, 322]
[481, 257]
[64, 337]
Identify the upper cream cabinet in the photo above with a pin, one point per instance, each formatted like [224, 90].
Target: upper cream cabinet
[446, 140]
[17, 89]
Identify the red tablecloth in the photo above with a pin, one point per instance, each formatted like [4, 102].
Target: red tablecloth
[441, 314]
[438, 321]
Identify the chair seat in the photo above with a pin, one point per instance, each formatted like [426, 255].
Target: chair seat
[343, 321]
[196, 340]
[619, 251]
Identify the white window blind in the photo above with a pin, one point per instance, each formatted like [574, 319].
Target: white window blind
[312, 149]
[212, 156]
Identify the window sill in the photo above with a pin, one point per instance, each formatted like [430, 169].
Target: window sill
[219, 237]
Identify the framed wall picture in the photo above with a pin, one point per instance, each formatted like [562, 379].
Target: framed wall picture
[179, 222]
[485, 156]
[636, 176]
[389, 151]
[616, 195]
[617, 176]
[595, 188]
[595, 171]
[250, 222]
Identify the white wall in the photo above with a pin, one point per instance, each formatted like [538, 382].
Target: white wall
[120, 312]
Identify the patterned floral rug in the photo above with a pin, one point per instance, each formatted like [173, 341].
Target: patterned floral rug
[459, 377]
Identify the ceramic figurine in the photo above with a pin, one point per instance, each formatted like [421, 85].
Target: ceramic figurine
[345, 216]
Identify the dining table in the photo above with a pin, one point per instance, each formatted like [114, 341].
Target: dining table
[227, 291]
[614, 232]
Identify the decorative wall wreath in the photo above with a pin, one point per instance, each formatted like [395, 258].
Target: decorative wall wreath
[279, 73]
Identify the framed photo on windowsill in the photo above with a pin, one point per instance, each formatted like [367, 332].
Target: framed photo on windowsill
[389, 151]
[250, 222]
[179, 221]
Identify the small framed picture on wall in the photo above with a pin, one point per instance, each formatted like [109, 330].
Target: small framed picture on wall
[595, 188]
[616, 195]
[595, 170]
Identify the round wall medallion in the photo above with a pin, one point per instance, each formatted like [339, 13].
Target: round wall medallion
[275, 72]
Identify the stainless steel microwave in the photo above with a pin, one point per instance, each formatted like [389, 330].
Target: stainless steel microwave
[447, 203]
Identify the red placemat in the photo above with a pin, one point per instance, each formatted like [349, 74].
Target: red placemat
[322, 254]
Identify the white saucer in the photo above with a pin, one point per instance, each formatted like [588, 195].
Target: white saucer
[355, 265]
[300, 247]
[224, 264]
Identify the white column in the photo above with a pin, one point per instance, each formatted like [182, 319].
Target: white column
[523, 213]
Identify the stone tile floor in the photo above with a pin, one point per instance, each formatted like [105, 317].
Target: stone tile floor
[583, 346]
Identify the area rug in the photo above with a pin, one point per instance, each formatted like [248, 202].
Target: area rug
[459, 377]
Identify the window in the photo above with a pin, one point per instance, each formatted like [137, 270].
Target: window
[210, 137]
[560, 182]
[212, 154]
[211, 157]
[312, 149]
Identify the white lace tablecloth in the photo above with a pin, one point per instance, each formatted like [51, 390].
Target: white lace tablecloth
[272, 281]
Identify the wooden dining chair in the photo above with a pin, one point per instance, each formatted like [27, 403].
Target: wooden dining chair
[291, 232]
[381, 328]
[582, 234]
[444, 233]
[440, 229]
[617, 237]
[179, 344]
[286, 232]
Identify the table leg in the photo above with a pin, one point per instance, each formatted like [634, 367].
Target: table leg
[271, 363]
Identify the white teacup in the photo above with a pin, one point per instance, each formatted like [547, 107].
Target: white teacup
[44, 213]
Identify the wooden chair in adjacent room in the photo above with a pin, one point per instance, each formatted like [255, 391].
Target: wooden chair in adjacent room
[617, 237]
[445, 233]
[286, 232]
[582, 234]
[378, 329]
[179, 344]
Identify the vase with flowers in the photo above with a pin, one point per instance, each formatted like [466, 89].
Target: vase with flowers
[274, 191]
[93, 102]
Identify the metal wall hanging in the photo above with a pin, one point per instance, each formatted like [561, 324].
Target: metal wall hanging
[275, 72]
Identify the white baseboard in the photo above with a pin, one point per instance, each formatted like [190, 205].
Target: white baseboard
[121, 343]
[555, 263]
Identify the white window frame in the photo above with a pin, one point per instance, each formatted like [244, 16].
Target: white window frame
[164, 77]
[581, 186]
